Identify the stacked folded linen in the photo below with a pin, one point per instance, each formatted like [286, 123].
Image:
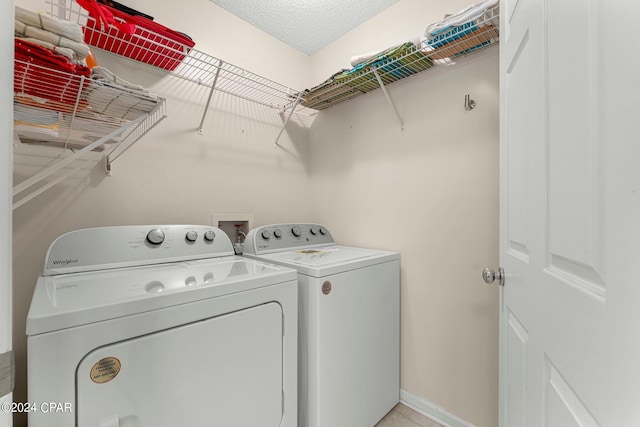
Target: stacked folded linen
[47, 74]
[469, 29]
[35, 123]
[394, 63]
[113, 96]
[467, 15]
[326, 93]
[64, 36]
[67, 29]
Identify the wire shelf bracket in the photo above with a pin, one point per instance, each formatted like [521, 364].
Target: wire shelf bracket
[388, 97]
[59, 164]
[213, 88]
[284, 125]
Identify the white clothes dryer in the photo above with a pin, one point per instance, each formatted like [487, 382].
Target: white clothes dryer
[349, 323]
[161, 326]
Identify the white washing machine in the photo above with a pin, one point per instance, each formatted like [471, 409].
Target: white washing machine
[349, 323]
[161, 326]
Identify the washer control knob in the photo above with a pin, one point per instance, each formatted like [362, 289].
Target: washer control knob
[314, 230]
[209, 235]
[191, 236]
[323, 231]
[266, 234]
[296, 231]
[277, 233]
[155, 236]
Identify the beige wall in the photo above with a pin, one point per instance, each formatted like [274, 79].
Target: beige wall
[174, 175]
[429, 192]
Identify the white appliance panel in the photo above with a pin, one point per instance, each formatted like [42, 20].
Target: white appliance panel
[182, 331]
[65, 348]
[349, 323]
[224, 371]
[349, 363]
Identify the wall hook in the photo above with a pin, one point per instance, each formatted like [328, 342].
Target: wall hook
[469, 104]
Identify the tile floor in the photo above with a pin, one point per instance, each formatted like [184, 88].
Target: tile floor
[402, 416]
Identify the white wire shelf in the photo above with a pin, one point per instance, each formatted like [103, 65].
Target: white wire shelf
[78, 114]
[156, 46]
[403, 61]
[162, 48]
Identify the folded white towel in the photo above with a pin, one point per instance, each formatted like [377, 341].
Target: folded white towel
[67, 29]
[104, 75]
[358, 59]
[80, 49]
[468, 14]
[112, 95]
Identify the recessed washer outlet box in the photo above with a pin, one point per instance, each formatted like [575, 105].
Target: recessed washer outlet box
[236, 226]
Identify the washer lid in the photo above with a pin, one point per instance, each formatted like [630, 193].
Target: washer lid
[321, 261]
[74, 299]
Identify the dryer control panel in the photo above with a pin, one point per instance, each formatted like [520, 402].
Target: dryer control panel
[281, 237]
[101, 248]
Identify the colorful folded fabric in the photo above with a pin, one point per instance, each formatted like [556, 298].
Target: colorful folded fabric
[452, 34]
[46, 74]
[393, 64]
[70, 54]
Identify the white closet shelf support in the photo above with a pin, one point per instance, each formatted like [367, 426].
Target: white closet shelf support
[284, 125]
[388, 97]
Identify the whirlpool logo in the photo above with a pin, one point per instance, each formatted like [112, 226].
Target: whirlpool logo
[64, 261]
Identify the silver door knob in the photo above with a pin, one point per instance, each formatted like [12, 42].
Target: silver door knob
[489, 275]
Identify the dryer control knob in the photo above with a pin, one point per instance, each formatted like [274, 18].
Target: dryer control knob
[323, 231]
[155, 236]
[277, 233]
[296, 231]
[209, 235]
[266, 234]
[191, 236]
[314, 230]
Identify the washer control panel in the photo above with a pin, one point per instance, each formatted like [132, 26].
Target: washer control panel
[282, 237]
[126, 246]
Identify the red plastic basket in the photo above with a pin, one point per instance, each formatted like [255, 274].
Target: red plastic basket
[151, 43]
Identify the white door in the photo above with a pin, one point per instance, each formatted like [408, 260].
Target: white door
[570, 213]
[6, 168]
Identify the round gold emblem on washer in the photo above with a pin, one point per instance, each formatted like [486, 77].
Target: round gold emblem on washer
[104, 370]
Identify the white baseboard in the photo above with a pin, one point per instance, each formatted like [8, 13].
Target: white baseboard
[432, 411]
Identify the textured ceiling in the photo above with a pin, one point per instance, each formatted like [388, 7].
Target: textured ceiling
[307, 25]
